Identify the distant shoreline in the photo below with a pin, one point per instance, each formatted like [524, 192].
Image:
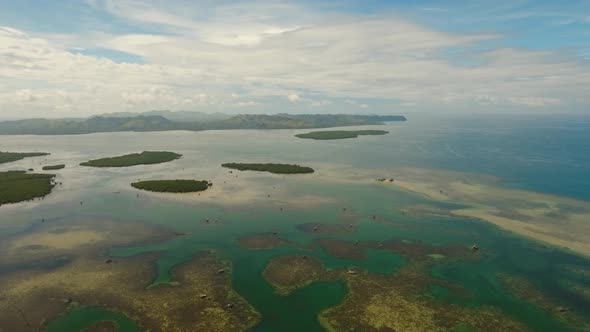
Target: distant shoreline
[157, 123]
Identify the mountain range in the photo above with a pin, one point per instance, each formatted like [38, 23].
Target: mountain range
[166, 120]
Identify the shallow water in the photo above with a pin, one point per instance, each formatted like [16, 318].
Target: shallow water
[83, 317]
[538, 162]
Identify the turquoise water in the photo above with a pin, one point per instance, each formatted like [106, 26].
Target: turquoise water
[504, 253]
[548, 154]
[80, 318]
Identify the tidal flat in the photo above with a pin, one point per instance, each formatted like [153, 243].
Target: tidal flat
[378, 256]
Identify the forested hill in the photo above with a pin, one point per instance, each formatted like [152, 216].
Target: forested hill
[144, 123]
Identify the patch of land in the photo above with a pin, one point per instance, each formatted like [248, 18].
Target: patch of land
[18, 186]
[262, 241]
[325, 228]
[172, 186]
[143, 158]
[272, 168]
[555, 220]
[53, 167]
[6, 157]
[201, 298]
[288, 273]
[340, 134]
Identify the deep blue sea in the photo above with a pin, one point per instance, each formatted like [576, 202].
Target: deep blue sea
[546, 153]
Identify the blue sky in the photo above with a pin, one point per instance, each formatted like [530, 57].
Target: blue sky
[71, 58]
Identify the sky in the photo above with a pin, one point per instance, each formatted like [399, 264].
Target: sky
[67, 58]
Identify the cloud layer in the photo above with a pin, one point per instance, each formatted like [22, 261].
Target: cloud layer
[275, 57]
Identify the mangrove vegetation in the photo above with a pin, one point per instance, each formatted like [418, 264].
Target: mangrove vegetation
[272, 168]
[172, 186]
[53, 167]
[6, 157]
[18, 186]
[340, 134]
[144, 158]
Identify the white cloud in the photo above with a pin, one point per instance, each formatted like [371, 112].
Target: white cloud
[246, 103]
[321, 103]
[536, 101]
[204, 54]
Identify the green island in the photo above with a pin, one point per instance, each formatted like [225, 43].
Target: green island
[272, 168]
[340, 134]
[172, 186]
[6, 157]
[144, 158]
[18, 186]
[53, 167]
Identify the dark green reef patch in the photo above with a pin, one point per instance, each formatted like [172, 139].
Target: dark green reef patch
[272, 168]
[53, 167]
[262, 241]
[342, 249]
[288, 273]
[144, 158]
[104, 326]
[172, 186]
[6, 157]
[340, 134]
[18, 186]
[325, 228]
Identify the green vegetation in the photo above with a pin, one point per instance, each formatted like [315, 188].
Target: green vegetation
[172, 186]
[272, 168]
[6, 157]
[340, 134]
[144, 158]
[158, 121]
[53, 167]
[18, 186]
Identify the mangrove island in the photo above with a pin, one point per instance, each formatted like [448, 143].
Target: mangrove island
[6, 157]
[272, 168]
[340, 134]
[144, 158]
[172, 186]
[53, 167]
[18, 186]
